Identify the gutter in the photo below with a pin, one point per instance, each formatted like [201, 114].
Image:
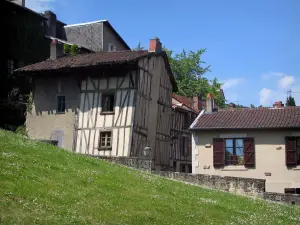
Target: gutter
[195, 121]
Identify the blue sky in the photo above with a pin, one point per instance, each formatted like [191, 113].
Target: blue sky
[253, 46]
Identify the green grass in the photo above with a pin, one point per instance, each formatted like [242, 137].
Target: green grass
[41, 184]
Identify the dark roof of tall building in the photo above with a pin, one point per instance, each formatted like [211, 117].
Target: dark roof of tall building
[258, 118]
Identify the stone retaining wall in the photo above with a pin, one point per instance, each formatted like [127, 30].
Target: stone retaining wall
[238, 185]
[134, 162]
[293, 199]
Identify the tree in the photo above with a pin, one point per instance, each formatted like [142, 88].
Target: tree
[290, 101]
[139, 47]
[252, 106]
[188, 72]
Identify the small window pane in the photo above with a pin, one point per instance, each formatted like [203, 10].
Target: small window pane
[229, 143]
[239, 143]
[108, 102]
[239, 151]
[105, 140]
[61, 105]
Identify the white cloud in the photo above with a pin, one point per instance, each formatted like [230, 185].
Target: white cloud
[286, 81]
[39, 5]
[270, 75]
[232, 82]
[265, 96]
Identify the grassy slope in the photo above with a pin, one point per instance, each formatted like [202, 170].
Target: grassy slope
[41, 184]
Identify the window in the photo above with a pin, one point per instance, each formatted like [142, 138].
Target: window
[234, 152]
[61, 104]
[112, 48]
[10, 67]
[292, 151]
[187, 120]
[105, 140]
[184, 149]
[108, 102]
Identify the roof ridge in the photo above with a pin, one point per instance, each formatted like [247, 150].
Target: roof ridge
[85, 23]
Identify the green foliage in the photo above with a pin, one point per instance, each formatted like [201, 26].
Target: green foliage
[29, 103]
[67, 49]
[189, 75]
[74, 50]
[252, 106]
[139, 47]
[42, 184]
[290, 101]
[21, 130]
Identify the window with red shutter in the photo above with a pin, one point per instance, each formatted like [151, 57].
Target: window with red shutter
[218, 152]
[249, 152]
[291, 151]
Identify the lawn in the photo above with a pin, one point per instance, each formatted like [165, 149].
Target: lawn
[41, 184]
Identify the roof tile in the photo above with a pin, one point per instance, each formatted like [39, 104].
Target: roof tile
[259, 118]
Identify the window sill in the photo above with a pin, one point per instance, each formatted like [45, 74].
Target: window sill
[297, 167]
[107, 113]
[104, 149]
[234, 168]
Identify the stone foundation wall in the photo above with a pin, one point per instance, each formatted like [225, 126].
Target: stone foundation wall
[293, 199]
[238, 185]
[134, 162]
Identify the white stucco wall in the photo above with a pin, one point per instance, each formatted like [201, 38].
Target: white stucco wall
[269, 157]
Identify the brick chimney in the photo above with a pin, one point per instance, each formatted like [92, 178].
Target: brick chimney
[155, 45]
[198, 102]
[56, 49]
[210, 104]
[278, 104]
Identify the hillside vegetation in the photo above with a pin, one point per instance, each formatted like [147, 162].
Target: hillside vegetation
[42, 184]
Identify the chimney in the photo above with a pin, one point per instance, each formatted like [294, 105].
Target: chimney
[278, 104]
[155, 45]
[198, 102]
[210, 103]
[231, 105]
[20, 2]
[56, 49]
[51, 23]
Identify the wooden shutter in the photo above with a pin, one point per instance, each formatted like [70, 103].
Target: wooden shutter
[290, 151]
[249, 152]
[218, 152]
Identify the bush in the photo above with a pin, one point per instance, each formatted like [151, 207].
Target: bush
[67, 49]
[21, 130]
[74, 50]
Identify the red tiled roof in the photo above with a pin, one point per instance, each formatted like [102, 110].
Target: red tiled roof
[95, 59]
[85, 60]
[259, 118]
[185, 101]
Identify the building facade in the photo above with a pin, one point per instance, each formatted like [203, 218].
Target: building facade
[252, 143]
[105, 104]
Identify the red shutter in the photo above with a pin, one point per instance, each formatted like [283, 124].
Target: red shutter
[218, 151]
[290, 151]
[249, 152]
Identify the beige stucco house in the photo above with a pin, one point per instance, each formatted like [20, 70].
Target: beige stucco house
[253, 143]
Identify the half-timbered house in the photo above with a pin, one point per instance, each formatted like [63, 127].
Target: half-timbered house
[184, 113]
[105, 103]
